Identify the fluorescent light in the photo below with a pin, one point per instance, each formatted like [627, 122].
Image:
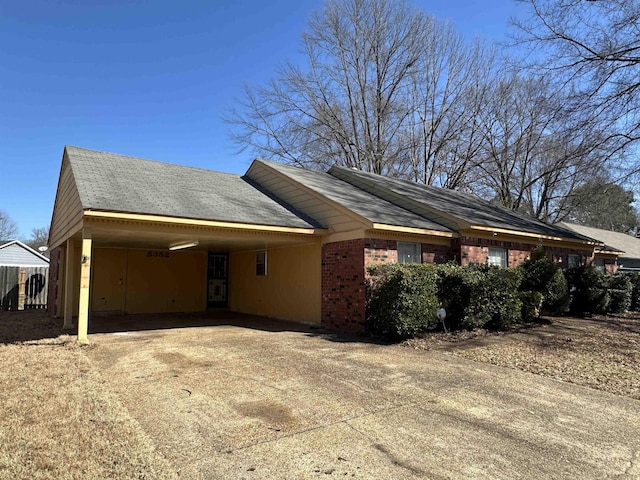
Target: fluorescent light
[180, 246]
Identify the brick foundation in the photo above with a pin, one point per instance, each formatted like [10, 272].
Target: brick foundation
[52, 283]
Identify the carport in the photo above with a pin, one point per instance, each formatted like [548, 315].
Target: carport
[130, 243]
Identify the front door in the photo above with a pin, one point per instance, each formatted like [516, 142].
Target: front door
[217, 278]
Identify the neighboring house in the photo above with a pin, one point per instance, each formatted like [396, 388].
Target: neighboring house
[138, 236]
[17, 254]
[620, 251]
[23, 277]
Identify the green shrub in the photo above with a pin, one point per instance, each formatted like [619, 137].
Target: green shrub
[402, 299]
[480, 296]
[531, 304]
[634, 278]
[540, 274]
[620, 290]
[588, 290]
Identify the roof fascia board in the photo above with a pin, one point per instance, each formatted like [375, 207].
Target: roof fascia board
[259, 163]
[419, 231]
[201, 223]
[540, 236]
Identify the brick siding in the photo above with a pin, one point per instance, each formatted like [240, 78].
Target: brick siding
[343, 286]
[52, 284]
[436, 253]
[476, 250]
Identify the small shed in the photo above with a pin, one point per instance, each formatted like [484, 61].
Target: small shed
[23, 277]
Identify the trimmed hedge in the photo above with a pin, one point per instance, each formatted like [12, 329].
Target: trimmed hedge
[589, 294]
[403, 299]
[620, 290]
[531, 305]
[480, 296]
[540, 274]
[634, 278]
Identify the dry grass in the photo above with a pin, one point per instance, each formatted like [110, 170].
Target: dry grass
[59, 420]
[601, 353]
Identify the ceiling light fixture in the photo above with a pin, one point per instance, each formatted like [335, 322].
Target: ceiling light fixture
[181, 245]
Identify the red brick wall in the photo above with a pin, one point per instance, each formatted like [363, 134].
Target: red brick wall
[610, 266]
[344, 275]
[385, 251]
[52, 284]
[476, 250]
[380, 251]
[436, 253]
[343, 286]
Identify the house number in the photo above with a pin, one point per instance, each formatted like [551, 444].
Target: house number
[157, 254]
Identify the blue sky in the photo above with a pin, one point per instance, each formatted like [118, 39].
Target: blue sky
[147, 78]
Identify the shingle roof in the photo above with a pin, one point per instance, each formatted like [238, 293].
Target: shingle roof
[619, 241]
[120, 183]
[374, 209]
[463, 206]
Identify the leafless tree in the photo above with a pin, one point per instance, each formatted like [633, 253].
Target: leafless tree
[39, 238]
[8, 228]
[449, 89]
[592, 48]
[534, 152]
[349, 103]
[386, 88]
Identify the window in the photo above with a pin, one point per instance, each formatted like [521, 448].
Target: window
[261, 263]
[573, 261]
[497, 256]
[409, 253]
[600, 264]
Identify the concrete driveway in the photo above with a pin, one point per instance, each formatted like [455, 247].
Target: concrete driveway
[281, 401]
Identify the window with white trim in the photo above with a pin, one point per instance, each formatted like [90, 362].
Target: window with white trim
[261, 263]
[600, 264]
[573, 261]
[497, 257]
[409, 252]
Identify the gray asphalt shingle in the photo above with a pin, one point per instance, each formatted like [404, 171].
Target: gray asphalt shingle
[374, 209]
[120, 183]
[466, 207]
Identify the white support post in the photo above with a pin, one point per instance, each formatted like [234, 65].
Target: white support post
[85, 286]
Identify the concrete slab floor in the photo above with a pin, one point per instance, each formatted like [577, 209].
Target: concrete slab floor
[239, 402]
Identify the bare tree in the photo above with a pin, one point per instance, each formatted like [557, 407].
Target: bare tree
[8, 228]
[349, 103]
[593, 48]
[534, 150]
[39, 238]
[448, 92]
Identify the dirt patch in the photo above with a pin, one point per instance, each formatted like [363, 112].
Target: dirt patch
[600, 352]
[268, 411]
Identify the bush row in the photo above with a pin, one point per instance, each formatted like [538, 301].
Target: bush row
[403, 299]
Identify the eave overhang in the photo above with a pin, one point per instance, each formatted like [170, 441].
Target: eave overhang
[137, 217]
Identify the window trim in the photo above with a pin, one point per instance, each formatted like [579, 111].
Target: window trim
[504, 255]
[574, 256]
[417, 246]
